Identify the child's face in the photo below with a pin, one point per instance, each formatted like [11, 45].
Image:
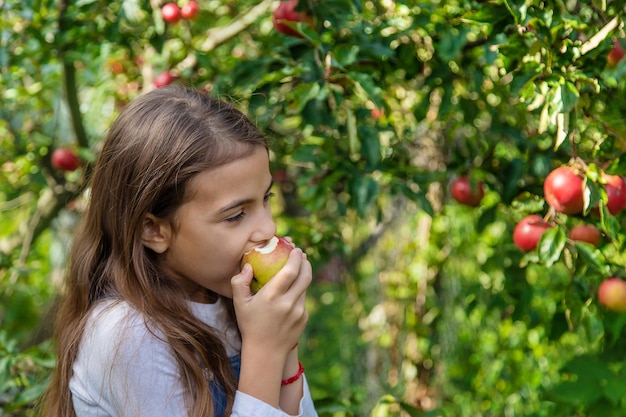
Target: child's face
[228, 214]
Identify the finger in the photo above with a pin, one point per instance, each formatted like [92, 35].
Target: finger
[305, 276]
[283, 280]
[290, 241]
[240, 283]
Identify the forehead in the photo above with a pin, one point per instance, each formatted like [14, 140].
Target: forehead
[239, 178]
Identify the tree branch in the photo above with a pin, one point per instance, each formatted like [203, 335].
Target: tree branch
[48, 206]
[70, 91]
[601, 35]
[71, 97]
[217, 36]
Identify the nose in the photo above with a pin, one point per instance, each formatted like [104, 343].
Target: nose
[264, 228]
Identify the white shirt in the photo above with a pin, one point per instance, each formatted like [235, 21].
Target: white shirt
[122, 369]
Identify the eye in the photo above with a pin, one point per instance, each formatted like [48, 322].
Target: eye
[239, 216]
[268, 196]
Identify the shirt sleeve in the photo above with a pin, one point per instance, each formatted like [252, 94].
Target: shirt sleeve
[248, 406]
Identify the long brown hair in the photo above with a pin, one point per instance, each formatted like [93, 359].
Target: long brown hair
[158, 143]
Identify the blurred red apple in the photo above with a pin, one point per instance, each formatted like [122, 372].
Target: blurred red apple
[189, 10]
[170, 12]
[528, 232]
[612, 294]
[286, 12]
[563, 190]
[615, 55]
[616, 193]
[163, 79]
[467, 193]
[586, 233]
[65, 159]
[267, 260]
[377, 113]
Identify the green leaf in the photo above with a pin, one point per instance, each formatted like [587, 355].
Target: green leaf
[551, 246]
[569, 96]
[364, 191]
[346, 54]
[452, 41]
[370, 145]
[615, 390]
[370, 88]
[592, 256]
[410, 410]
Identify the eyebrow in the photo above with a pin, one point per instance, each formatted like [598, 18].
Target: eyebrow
[242, 202]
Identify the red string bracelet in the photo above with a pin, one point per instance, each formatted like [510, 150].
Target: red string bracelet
[295, 377]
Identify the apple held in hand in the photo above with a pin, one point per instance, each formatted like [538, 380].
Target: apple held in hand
[267, 260]
[612, 294]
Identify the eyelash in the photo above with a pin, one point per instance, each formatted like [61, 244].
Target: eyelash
[242, 214]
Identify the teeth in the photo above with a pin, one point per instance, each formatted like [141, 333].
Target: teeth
[269, 248]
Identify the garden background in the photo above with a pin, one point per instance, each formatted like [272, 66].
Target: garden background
[420, 305]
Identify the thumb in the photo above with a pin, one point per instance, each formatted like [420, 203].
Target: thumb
[240, 283]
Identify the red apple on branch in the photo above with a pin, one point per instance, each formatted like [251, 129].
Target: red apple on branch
[466, 192]
[189, 10]
[170, 12]
[615, 55]
[267, 260]
[616, 193]
[612, 294]
[528, 232]
[163, 79]
[563, 190]
[586, 233]
[286, 12]
[65, 159]
[377, 113]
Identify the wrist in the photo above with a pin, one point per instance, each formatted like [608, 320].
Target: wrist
[291, 365]
[296, 376]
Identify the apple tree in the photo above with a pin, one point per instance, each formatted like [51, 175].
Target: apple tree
[414, 147]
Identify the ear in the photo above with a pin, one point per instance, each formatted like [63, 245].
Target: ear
[156, 233]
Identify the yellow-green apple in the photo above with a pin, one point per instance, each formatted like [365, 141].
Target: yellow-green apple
[563, 190]
[612, 294]
[528, 232]
[267, 260]
[585, 233]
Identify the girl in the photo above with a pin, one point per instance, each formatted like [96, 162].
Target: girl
[157, 318]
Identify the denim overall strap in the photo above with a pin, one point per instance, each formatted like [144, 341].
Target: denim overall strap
[217, 391]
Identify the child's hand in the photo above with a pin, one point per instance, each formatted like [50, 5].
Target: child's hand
[275, 317]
